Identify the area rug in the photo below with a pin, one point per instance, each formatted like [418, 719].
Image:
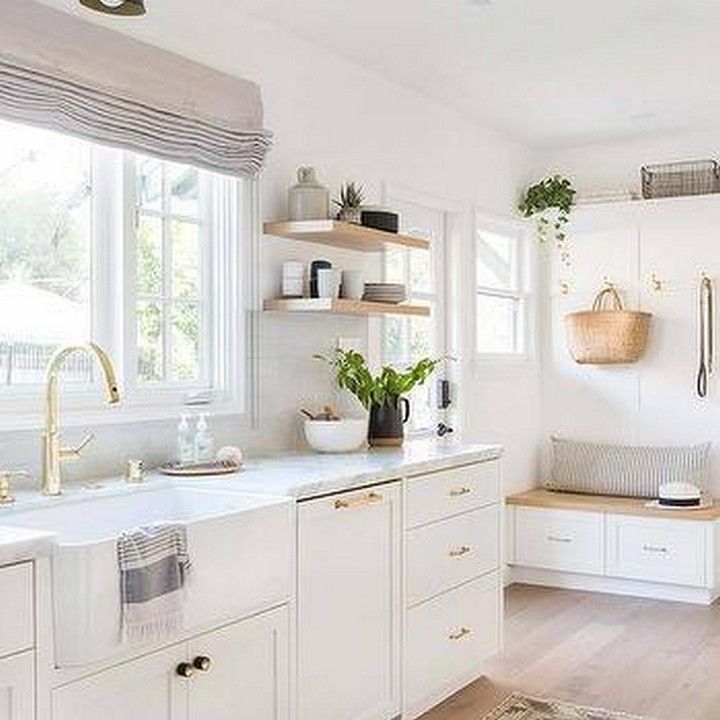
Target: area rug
[523, 707]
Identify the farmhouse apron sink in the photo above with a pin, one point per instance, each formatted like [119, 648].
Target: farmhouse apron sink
[240, 546]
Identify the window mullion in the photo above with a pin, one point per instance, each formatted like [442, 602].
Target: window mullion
[128, 309]
[167, 276]
[107, 250]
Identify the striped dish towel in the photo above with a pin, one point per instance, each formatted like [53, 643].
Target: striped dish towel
[153, 564]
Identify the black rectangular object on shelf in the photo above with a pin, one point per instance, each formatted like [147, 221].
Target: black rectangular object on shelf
[380, 220]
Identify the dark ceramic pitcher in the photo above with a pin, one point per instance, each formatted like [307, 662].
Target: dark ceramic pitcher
[386, 423]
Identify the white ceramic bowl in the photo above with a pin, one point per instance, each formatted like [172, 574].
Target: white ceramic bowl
[336, 436]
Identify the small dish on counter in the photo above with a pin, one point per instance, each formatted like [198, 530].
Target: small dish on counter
[336, 436]
[210, 467]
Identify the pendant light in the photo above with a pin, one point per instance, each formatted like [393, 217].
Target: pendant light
[116, 7]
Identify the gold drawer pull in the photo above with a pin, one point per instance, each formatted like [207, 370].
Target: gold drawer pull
[459, 552]
[457, 492]
[460, 634]
[358, 501]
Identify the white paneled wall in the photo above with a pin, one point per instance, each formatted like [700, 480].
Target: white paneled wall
[653, 401]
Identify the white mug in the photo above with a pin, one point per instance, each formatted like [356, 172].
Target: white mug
[353, 284]
[328, 283]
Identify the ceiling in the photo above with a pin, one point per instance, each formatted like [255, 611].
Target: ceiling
[549, 72]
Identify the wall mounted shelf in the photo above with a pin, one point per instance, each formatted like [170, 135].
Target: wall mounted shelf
[342, 235]
[343, 307]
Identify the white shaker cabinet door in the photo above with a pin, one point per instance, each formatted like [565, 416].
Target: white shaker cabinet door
[145, 689]
[17, 687]
[349, 605]
[242, 671]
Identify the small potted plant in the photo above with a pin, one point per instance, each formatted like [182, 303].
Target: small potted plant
[352, 196]
[382, 395]
[550, 201]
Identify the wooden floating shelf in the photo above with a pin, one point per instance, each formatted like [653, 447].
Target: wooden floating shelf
[343, 307]
[343, 235]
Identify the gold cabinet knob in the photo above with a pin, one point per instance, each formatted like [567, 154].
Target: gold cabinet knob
[185, 670]
[202, 663]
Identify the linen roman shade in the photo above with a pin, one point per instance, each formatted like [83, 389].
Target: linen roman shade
[61, 72]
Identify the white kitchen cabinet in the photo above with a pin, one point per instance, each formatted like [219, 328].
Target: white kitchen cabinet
[239, 672]
[17, 687]
[446, 554]
[16, 620]
[248, 674]
[349, 605]
[447, 640]
[453, 601]
[144, 689]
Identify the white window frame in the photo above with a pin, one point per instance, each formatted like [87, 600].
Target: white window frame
[440, 257]
[233, 233]
[524, 293]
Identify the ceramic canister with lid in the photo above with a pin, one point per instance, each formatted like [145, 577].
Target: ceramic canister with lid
[308, 199]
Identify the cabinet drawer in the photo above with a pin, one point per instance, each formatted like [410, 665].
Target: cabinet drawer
[559, 540]
[449, 492]
[17, 687]
[447, 638]
[16, 620]
[672, 551]
[446, 554]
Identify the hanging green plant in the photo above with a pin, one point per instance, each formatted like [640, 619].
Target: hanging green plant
[550, 201]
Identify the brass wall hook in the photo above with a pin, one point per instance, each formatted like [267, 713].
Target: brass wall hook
[564, 287]
[656, 284]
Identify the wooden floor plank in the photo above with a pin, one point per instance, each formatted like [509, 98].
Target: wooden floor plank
[647, 657]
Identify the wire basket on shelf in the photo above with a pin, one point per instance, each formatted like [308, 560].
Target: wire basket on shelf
[699, 177]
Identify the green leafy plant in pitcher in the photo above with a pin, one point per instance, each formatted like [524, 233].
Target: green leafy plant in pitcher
[382, 395]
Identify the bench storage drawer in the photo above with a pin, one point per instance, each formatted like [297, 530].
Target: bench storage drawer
[559, 540]
[669, 551]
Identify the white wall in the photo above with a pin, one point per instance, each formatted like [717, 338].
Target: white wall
[654, 401]
[616, 166]
[351, 124]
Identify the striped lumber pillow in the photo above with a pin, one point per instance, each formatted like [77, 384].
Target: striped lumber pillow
[625, 470]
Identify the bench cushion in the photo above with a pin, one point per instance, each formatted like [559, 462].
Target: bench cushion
[625, 470]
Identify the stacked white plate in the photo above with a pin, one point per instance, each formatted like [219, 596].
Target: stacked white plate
[385, 293]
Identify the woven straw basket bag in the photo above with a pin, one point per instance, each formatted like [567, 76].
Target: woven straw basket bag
[608, 333]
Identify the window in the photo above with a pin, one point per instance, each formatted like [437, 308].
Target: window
[45, 252]
[171, 249]
[134, 252]
[501, 292]
[408, 339]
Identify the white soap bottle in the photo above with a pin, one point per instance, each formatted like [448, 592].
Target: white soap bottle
[203, 440]
[185, 443]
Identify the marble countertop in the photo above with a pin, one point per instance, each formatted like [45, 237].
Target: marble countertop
[307, 475]
[299, 476]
